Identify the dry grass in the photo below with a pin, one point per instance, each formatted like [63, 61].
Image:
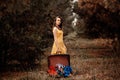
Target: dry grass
[90, 60]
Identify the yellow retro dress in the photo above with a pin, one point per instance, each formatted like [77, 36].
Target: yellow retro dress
[61, 45]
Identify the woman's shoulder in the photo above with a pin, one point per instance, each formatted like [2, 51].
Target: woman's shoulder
[55, 29]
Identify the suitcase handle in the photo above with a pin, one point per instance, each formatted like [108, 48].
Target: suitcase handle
[58, 52]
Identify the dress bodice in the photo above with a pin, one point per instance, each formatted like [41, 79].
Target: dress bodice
[59, 35]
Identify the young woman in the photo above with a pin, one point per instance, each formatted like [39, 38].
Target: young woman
[58, 45]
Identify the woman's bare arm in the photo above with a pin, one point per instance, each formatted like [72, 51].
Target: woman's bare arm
[55, 37]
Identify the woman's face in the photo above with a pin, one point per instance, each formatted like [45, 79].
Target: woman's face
[58, 21]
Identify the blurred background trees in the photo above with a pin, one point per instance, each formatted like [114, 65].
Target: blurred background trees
[26, 25]
[99, 19]
[26, 29]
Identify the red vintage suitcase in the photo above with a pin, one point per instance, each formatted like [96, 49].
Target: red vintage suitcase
[59, 59]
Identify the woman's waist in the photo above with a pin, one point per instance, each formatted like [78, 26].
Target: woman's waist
[59, 41]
